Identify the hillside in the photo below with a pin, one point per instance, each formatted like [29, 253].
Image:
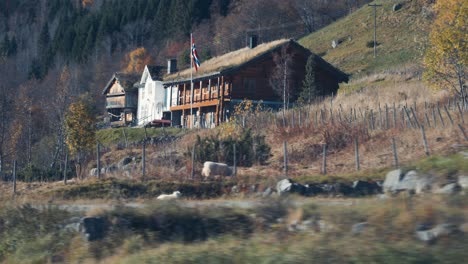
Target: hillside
[401, 38]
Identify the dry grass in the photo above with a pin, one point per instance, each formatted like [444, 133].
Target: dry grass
[401, 36]
[228, 60]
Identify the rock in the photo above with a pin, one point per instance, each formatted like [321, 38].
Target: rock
[463, 228]
[391, 181]
[312, 190]
[342, 189]
[289, 186]
[93, 172]
[123, 162]
[383, 197]
[111, 169]
[450, 188]
[397, 7]
[463, 181]
[366, 188]
[72, 225]
[215, 168]
[424, 184]
[284, 186]
[94, 228]
[408, 182]
[359, 227]
[324, 226]
[429, 235]
[267, 192]
[334, 43]
[412, 182]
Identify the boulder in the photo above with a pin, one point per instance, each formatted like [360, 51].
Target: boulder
[94, 228]
[123, 162]
[284, 186]
[412, 181]
[408, 182]
[463, 181]
[215, 168]
[340, 188]
[289, 186]
[397, 7]
[312, 190]
[93, 172]
[334, 43]
[392, 180]
[425, 234]
[450, 188]
[424, 184]
[366, 188]
[359, 227]
[267, 192]
[111, 169]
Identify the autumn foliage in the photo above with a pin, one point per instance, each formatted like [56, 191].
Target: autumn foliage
[136, 60]
[446, 60]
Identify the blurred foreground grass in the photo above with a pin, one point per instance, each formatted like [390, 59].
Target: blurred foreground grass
[174, 233]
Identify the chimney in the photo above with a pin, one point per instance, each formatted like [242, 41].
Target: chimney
[171, 66]
[253, 40]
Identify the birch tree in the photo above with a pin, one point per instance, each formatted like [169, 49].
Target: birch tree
[446, 59]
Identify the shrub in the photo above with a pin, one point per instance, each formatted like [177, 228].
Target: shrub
[370, 44]
[250, 149]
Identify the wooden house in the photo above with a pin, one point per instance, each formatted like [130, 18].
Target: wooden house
[121, 99]
[224, 81]
[151, 94]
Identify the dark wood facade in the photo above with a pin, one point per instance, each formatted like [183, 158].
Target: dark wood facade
[121, 99]
[215, 94]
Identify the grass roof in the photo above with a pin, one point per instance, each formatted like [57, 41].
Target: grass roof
[228, 60]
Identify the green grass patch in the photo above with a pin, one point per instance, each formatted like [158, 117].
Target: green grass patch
[444, 166]
[117, 135]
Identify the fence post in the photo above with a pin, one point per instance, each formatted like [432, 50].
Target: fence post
[434, 117]
[125, 137]
[234, 173]
[426, 147]
[395, 154]
[415, 117]
[448, 114]
[285, 165]
[440, 116]
[98, 160]
[65, 168]
[14, 177]
[427, 120]
[461, 113]
[387, 126]
[408, 116]
[356, 151]
[463, 132]
[143, 160]
[394, 116]
[324, 159]
[192, 171]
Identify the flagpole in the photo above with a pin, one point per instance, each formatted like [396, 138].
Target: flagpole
[191, 80]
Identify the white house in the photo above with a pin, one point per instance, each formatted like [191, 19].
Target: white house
[151, 96]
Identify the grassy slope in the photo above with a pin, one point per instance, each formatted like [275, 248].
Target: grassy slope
[117, 135]
[402, 35]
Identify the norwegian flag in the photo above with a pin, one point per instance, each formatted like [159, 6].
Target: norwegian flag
[195, 59]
